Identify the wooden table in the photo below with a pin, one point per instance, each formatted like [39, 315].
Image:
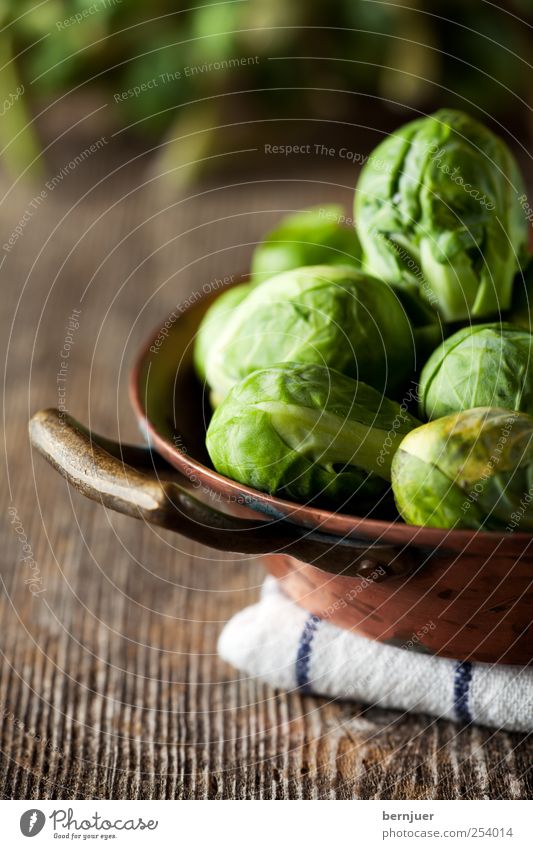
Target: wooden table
[110, 685]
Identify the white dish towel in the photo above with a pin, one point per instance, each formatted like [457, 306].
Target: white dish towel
[289, 648]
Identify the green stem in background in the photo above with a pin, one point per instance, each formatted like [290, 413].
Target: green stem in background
[185, 155]
[19, 145]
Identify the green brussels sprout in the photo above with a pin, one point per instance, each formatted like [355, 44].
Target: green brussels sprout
[438, 210]
[487, 365]
[311, 237]
[468, 470]
[331, 315]
[522, 306]
[213, 323]
[307, 432]
[428, 329]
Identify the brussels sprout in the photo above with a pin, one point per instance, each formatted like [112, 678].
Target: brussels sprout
[522, 306]
[487, 365]
[307, 432]
[310, 237]
[468, 470]
[428, 329]
[438, 209]
[213, 323]
[331, 315]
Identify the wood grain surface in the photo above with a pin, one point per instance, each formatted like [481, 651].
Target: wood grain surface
[110, 686]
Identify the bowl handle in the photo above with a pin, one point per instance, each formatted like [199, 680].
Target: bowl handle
[138, 482]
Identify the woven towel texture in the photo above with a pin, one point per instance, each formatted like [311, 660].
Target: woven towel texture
[282, 644]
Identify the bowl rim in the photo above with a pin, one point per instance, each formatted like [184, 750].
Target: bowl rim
[336, 524]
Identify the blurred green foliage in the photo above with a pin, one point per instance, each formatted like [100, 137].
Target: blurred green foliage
[469, 55]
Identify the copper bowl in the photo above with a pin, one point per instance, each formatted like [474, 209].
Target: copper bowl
[460, 594]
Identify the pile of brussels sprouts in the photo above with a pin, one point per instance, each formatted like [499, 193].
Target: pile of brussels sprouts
[389, 370]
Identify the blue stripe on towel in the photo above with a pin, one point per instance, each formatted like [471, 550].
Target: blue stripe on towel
[303, 655]
[461, 687]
